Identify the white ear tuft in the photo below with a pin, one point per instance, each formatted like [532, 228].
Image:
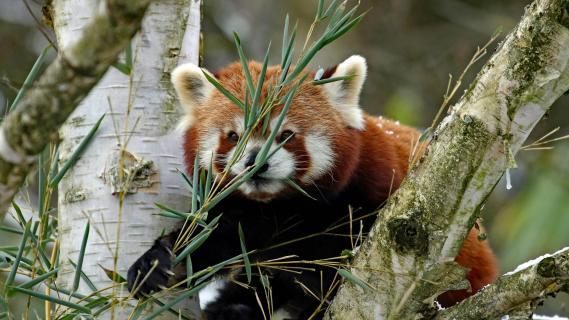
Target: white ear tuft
[193, 89]
[344, 95]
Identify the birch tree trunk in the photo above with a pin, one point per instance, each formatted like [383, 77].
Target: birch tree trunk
[133, 161]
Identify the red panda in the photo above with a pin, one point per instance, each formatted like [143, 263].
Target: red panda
[334, 150]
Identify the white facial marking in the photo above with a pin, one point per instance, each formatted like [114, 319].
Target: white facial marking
[240, 165]
[321, 155]
[239, 123]
[281, 166]
[285, 125]
[209, 143]
[185, 123]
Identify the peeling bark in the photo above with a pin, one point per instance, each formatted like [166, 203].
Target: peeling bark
[441, 197]
[48, 103]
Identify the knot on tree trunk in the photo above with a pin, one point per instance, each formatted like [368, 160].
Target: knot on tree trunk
[409, 236]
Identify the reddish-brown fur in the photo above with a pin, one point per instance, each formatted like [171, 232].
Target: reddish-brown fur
[373, 161]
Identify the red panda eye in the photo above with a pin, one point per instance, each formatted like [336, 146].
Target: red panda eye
[233, 136]
[286, 135]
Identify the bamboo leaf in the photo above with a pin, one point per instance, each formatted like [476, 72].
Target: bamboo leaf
[195, 183]
[16, 263]
[246, 260]
[244, 62]
[171, 215]
[208, 179]
[343, 30]
[260, 81]
[53, 166]
[262, 155]
[196, 242]
[175, 213]
[21, 219]
[425, 134]
[80, 259]
[76, 154]
[42, 181]
[122, 67]
[75, 295]
[114, 276]
[187, 180]
[128, 56]
[285, 41]
[85, 278]
[31, 77]
[287, 57]
[38, 246]
[189, 269]
[39, 279]
[55, 300]
[181, 297]
[353, 279]
[211, 271]
[329, 80]
[265, 282]
[336, 15]
[331, 8]
[224, 91]
[298, 188]
[10, 230]
[319, 12]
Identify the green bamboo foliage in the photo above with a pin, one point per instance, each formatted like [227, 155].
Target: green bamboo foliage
[208, 191]
[32, 75]
[33, 264]
[76, 154]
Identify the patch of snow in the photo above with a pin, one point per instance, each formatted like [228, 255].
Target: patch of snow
[535, 261]
[538, 317]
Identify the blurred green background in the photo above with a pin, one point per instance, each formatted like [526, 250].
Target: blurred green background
[411, 48]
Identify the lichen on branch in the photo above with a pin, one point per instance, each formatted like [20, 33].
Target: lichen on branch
[529, 284]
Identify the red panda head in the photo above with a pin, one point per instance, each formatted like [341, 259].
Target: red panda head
[324, 122]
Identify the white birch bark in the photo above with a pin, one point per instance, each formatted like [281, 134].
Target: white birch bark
[52, 98]
[144, 112]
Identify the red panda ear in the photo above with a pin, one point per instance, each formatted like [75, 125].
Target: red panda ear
[193, 89]
[344, 95]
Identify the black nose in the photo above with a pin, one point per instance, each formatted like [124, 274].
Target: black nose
[251, 161]
[263, 168]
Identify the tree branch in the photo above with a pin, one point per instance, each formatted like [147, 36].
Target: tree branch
[424, 223]
[78, 67]
[530, 282]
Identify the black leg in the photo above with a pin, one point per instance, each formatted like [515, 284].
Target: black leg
[234, 303]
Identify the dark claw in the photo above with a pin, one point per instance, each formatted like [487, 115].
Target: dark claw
[158, 278]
